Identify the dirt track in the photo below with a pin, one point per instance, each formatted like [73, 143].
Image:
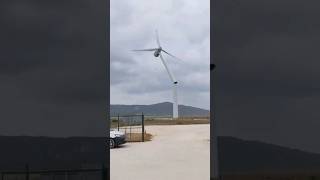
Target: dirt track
[177, 152]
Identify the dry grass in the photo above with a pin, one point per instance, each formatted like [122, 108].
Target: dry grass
[180, 121]
[168, 121]
[137, 137]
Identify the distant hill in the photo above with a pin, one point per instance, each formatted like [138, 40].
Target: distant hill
[238, 155]
[160, 109]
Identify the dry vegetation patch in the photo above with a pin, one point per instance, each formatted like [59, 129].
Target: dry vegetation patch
[167, 121]
[137, 137]
[179, 121]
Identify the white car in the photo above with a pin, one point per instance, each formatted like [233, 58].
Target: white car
[116, 138]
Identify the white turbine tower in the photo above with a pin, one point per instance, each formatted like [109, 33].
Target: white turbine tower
[157, 53]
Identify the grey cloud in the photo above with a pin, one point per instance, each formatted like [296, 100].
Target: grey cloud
[183, 31]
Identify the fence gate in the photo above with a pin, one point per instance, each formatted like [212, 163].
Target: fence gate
[131, 125]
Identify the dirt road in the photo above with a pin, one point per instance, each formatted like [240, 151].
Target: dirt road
[177, 152]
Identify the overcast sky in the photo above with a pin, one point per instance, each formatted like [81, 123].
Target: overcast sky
[184, 29]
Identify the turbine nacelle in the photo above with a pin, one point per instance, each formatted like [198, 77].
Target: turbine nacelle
[157, 52]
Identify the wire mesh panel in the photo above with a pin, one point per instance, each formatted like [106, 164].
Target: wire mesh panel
[131, 125]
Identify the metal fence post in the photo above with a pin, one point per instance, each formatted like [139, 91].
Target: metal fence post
[118, 122]
[2, 176]
[142, 116]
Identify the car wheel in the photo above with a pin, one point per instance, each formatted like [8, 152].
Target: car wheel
[112, 144]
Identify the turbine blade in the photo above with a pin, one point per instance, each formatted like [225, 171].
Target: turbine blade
[157, 36]
[145, 49]
[172, 55]
[173, 79]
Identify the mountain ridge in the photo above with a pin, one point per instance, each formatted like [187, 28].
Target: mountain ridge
[157, 109]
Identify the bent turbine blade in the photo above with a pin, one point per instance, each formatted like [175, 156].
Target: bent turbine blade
[173, 79]
[172, 55]
[145, 49]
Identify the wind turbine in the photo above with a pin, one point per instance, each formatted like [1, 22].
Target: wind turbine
[157, 53]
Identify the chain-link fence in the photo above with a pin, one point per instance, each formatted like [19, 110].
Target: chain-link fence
[131, 125]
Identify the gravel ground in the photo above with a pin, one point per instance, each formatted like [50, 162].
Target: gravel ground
[176, 152]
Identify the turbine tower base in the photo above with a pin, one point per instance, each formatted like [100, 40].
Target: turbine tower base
[175, 110]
